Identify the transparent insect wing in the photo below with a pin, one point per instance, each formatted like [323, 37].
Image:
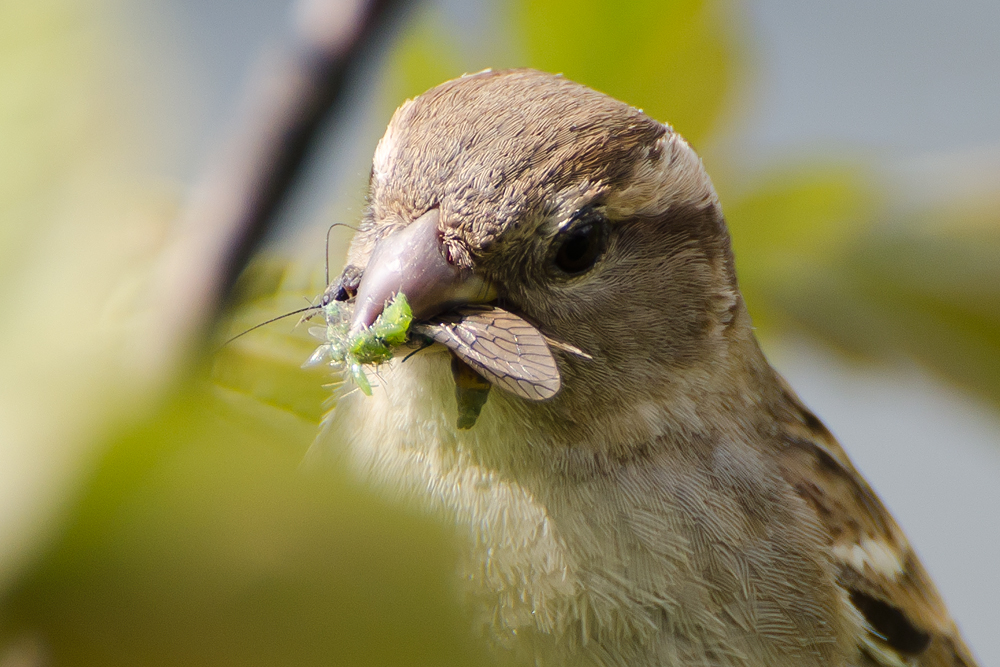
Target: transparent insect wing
[501, 346]
[318, 357]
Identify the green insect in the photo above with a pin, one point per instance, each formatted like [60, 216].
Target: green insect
[371, 346]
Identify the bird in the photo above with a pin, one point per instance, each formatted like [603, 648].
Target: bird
[585, 401]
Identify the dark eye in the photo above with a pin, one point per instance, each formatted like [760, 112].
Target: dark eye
[579, 247]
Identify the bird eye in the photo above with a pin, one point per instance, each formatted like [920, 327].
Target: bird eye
[579, 247]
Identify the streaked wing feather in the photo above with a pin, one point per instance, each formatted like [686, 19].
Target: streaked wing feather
[505, 349]
[908, 623]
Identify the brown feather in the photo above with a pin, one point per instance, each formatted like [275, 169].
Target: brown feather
[907, 619]
[670, 501]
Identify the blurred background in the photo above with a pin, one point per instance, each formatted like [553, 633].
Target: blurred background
[154, 504]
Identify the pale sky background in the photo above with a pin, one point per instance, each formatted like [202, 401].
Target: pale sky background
[911, 87]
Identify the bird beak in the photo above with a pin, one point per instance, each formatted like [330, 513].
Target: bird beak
[412, 261]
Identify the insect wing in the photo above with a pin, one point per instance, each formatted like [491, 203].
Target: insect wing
[501, 346]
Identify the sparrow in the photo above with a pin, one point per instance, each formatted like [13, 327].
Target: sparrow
[587, 403]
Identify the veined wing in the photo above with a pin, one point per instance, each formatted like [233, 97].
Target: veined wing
[502, 347]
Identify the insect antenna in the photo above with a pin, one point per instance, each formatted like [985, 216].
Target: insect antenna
[307, 309]
[273, 319]
[426, 344]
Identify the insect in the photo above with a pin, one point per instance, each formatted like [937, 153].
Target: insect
[500, 346]
[490, 347]
[373, 345]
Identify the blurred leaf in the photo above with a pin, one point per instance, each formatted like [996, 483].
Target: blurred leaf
[933, 297]
[424, 57]
[812, 255]
[790, 229]
[81, 225]
[49, 59]
[668, 57]
[265, 364]
[202, 540]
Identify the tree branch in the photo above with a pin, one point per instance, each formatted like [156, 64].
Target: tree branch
[238, 196]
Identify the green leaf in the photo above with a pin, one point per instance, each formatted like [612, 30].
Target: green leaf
[202, 539]
[670, 58]
[424, 57]
[791, 229]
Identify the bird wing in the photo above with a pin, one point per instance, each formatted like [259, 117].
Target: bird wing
[907, 622]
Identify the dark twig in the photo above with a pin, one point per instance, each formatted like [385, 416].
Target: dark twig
[238, 197]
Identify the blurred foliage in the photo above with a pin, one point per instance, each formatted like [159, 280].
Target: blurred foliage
[46, 66]
[201, 539]
[421, 59]
[670, 59]
[795, 224]
[926, 293]
[74, 231]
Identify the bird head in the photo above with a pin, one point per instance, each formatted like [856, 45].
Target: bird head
[667, 491]
[595, 224]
